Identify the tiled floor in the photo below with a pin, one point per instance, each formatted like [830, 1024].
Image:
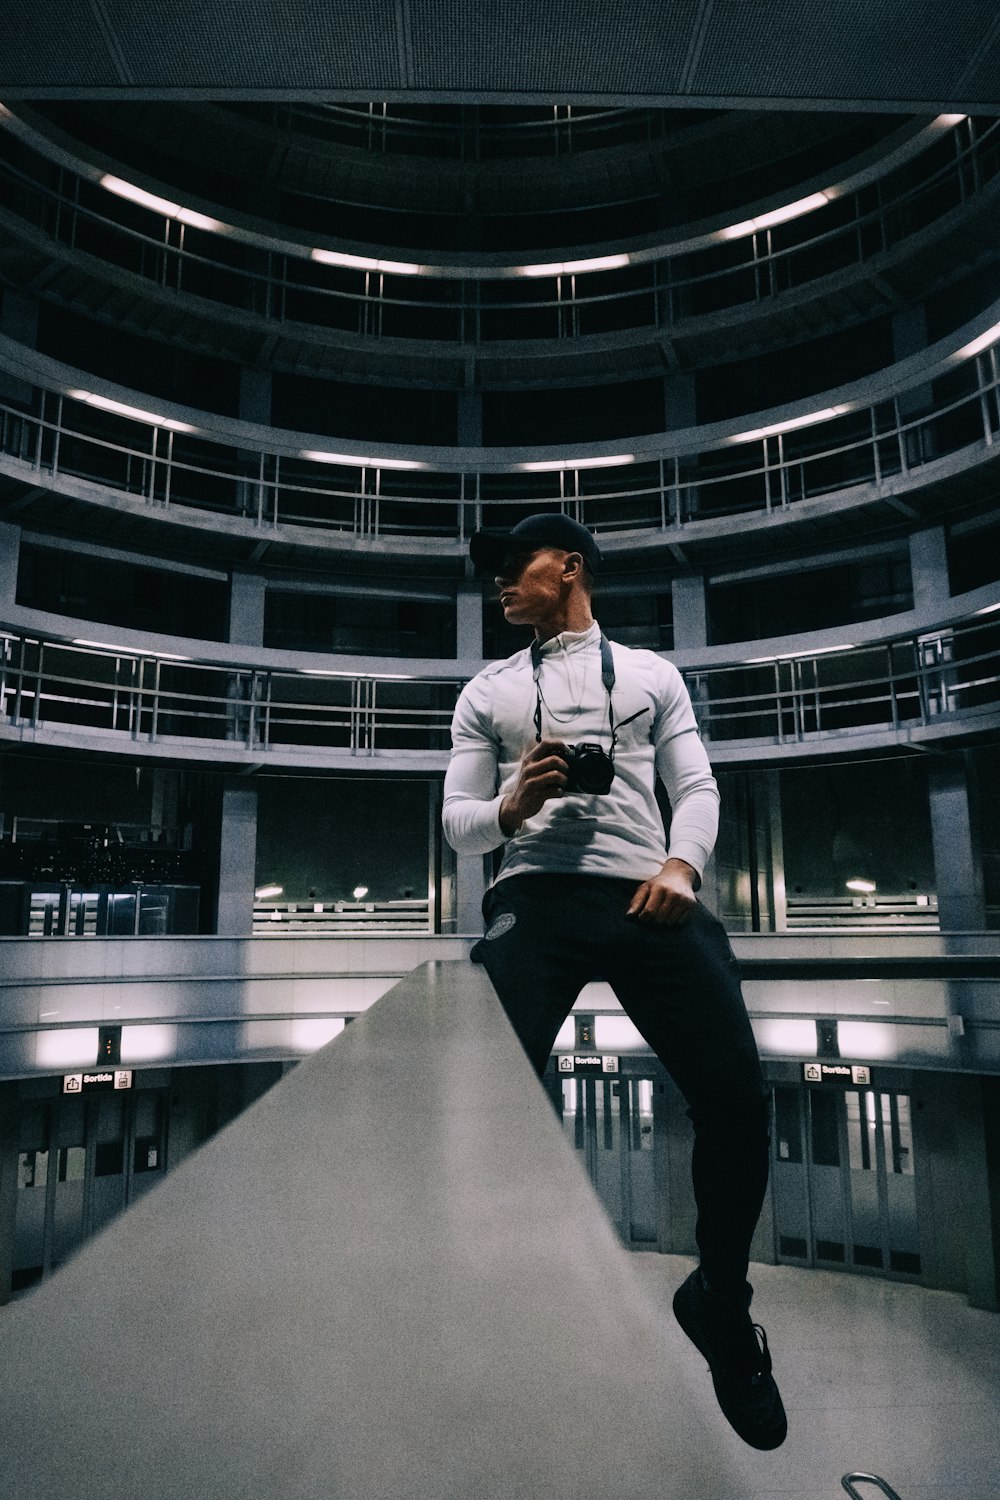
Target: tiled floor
[876, 1376]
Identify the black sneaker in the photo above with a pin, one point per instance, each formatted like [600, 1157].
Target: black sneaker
[738, 1358]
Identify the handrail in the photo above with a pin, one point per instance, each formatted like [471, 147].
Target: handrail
[905, 685]
[700, 271]
[558, 129]
[448, 1220]
[849, 1480]
[863, 436]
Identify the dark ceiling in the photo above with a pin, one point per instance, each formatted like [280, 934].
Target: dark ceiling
[906, 55]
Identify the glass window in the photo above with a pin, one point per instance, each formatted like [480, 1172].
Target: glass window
[896, 1114]
[825, 1134]
[787, 1127]
[322, 839]
[72, 1161]
[32, 1169]
[861, 1131]
[108, 1158]
[864, 821]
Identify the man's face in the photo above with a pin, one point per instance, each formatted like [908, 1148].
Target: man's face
[532, 585]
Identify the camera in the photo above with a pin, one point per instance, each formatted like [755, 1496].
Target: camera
[589, 769]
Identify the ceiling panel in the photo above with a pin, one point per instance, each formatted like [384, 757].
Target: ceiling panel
[896, 54]
[515, 45]
[55, 41]
[280, 44]
[853, 50]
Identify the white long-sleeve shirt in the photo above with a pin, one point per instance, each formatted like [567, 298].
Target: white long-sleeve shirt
[619, 834]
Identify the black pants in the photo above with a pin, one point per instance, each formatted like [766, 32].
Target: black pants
[549, 935]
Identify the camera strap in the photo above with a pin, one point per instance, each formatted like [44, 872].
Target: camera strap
[607, 678]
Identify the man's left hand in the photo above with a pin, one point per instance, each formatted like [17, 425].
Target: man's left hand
[668, 898]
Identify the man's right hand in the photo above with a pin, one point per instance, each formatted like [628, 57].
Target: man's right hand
[543, 774]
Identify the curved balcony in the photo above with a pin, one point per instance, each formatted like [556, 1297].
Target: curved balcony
[274, 171]
[728, 277]
[221, 705]
[185, 1000]
[476, 133]
[857, 449]
[273, 161]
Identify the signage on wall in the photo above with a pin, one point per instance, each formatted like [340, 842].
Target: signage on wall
[87, 1083]
[858, 1073]
[588, 1062]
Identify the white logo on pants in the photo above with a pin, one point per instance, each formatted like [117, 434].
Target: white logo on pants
[503, 923]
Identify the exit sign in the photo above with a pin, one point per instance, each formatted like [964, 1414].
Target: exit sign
[104, 1079]
[816, 1072]
[588, 1062]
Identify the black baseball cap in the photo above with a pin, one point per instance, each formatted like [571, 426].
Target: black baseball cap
[488, 548]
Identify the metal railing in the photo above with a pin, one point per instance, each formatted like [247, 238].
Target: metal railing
[662, 286]
[479, 136]
[907, 684]
[164, 462]
[41, 831]
[276, 918]
[849, 1481]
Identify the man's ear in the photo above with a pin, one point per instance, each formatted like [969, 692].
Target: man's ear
[573, 567]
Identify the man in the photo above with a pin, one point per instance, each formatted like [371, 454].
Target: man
[586, 889]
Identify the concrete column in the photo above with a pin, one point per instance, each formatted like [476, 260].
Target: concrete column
[469, 434]
[10, 547]
[955, 1135]
[256, 501]
[690, 608]
[8, 1184]
[909, 336]
[472, 872]
[679, 402]
[469, 622]
[246, 609]
[470, 418]
[237, 860]
[929, 568]
[472, 876]
[957, 869]
[18, 321]
[255, 395]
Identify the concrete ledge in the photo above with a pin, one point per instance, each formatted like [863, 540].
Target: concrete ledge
[389, 1278]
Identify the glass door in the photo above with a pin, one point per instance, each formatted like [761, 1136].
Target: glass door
[609, 1122]
[843, 1178]
[80, 1162]
[884, 1227]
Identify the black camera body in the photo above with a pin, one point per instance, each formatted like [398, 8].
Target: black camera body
[590, 769]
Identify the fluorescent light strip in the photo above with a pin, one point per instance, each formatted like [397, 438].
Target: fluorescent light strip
[162, 206]
[352, 262]
[978, 344]
[756, 661]
[369, 263]
[349, 261]
[825, 415]
[777, 216]
[137, 414]
[555, 465]
[368, 676]
[130, 650]
[139, 195]
[571, 267]
[321, 456]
